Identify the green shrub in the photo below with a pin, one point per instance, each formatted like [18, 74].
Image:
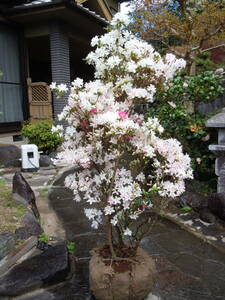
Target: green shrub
[170, 107]
[204, 87]
[204, 62]
[41, 134]
[189, 129]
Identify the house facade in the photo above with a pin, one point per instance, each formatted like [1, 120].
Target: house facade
[42, 41]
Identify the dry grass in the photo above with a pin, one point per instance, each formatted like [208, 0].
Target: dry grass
[10, 212]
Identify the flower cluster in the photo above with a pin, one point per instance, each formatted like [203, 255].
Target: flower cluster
[132, 65]
[110, 143]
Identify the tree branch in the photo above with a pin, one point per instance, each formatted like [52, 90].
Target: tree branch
[121, 243]
[110, 239]
[195, 48]
[214, 32]
[213, 47]
[174, 31]
[208, 36]
[183, 55]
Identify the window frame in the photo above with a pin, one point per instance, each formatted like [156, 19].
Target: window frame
[7, 127]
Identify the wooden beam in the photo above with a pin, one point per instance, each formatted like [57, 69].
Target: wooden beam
[105, 10]
[81, 1]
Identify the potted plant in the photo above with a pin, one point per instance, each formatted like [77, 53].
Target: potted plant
[122, 159]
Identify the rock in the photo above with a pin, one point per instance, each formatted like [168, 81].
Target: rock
[45, 161]
[53, 155]
[10, 155]
[60, 179]
[206, 216]
[206, 206]
[216, 204]
[22, 233]
[219, 71]
[7, 243]
[43, 246]
[31, 227]
[23, 194]
[194, 200]
[49, 267]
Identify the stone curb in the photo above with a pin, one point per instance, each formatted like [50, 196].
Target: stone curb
[192, 230]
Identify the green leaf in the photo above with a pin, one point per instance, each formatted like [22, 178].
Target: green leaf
[186, 208]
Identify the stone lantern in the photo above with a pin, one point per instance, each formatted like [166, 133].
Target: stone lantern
[218, 122]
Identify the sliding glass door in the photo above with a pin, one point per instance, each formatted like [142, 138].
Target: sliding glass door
[10, 80]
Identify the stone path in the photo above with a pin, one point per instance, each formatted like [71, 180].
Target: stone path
[37, 180]
[188, 268]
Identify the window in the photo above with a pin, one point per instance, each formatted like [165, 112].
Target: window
[10, 81]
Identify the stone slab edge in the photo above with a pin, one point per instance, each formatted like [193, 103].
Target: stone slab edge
[8, 261]
[45, 292]
[191, 230]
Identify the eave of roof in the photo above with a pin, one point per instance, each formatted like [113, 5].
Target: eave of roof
[36, 5]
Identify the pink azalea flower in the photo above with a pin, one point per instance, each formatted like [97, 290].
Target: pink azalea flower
[85, 165]
[123, 114]
[93, 111]
[143, 206]
[84, 123]
[129, 138]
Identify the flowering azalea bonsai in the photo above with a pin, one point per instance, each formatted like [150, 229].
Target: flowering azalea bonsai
[120, 155]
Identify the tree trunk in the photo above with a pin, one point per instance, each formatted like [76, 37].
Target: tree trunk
[192, 70]
[110, 240]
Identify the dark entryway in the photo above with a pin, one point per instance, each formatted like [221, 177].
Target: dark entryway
[39, 59]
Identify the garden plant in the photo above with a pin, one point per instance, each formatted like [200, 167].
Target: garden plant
[42, 135]
[122, 161]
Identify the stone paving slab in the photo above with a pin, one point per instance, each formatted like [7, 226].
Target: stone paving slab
[42, 178]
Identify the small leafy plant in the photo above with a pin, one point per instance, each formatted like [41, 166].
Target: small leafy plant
[43, 237]
[71, 246]
[186, 209]
[41, 134]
